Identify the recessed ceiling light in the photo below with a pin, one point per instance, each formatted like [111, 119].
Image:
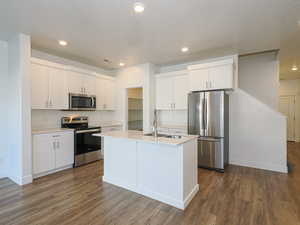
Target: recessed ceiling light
[63, 43]
[122, 64]
[185, 49]
[139, 7]
[294, 68]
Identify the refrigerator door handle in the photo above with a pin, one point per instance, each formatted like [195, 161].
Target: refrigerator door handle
[205, 113]
[202, 114]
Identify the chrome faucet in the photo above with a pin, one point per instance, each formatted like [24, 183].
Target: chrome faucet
[155, 133]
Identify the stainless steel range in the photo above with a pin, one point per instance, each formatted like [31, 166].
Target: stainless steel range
[87, 147]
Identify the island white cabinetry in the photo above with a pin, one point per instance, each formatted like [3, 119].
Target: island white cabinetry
[171, 90]
[48, 86]
[161, 168]
[105, 93]
[212, 76]
[52, 152]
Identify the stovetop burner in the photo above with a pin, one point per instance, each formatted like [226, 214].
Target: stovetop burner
[77, 123]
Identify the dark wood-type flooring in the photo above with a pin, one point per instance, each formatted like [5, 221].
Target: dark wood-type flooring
[241, 196]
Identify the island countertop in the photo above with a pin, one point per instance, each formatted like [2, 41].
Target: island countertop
[140, 136]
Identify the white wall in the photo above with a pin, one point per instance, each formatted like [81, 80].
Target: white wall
[257, 134]
[3, 108]
[19, 109]
[292, 88]
[259, 76]
[136, 76]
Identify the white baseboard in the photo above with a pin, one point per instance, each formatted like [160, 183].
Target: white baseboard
[191, 195]
[180, 204]
[52, 171]
[21, 180]
[260, 165]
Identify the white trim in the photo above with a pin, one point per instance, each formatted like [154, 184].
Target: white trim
[260, 165]
[191, 195]
[211, 64]
[156, 196]
[69, 68]
[52, 171]
[175, 73]
[22, 180]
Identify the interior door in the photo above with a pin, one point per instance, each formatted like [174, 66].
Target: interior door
[39, 86]
[214, 115]
[287, 107]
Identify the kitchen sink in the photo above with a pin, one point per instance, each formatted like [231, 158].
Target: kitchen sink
[164, 135]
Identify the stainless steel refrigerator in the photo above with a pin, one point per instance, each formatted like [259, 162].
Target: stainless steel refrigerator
[208, 117]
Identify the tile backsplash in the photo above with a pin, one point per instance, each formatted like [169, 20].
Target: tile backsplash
[52, 118]
[172, 117]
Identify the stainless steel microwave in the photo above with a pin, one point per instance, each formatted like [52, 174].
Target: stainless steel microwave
[82, 102]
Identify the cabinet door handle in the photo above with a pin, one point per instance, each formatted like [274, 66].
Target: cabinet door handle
[174, 105]
[57, 144]
[54, 145]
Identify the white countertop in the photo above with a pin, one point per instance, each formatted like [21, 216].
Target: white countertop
[50, 130]
[170, 126]
[139, 136]
[106, 124]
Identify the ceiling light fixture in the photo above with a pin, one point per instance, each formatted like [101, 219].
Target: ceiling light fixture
[122, 64]
[294, 68]
[139, 7]
[63, 43]
[185, 49]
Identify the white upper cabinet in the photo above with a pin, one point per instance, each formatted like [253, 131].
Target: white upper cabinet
[58, 90]
[81, 83]
[212, 76]
[105, 93]
[48, 87]
[172, 90]
[181, 90]
[164, 92]
[75, 84]
[39, 86]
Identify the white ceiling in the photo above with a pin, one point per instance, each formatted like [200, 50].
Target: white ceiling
[99, 29]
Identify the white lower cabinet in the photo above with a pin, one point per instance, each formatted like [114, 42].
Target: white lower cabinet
[52, 152]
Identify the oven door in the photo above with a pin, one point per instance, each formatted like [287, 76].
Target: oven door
[87, 146]
[82, 102]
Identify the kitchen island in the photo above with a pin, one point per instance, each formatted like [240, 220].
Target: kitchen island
[162, 168]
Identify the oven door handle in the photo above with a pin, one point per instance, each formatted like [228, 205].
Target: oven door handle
[88, 131]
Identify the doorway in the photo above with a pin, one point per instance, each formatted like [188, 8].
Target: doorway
[135, 109]
[287, 107]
